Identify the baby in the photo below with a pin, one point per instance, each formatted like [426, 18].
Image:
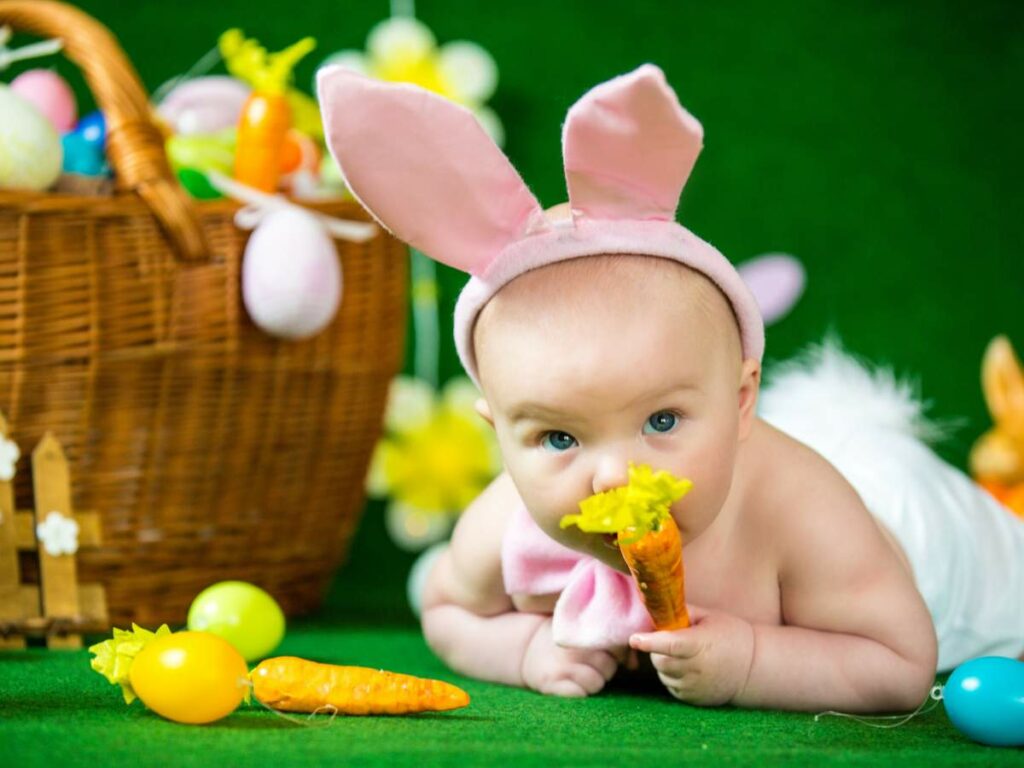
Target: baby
[603, 333]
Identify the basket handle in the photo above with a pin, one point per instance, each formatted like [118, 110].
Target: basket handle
[135, 144]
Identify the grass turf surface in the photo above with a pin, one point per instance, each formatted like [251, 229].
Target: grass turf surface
[55, 710]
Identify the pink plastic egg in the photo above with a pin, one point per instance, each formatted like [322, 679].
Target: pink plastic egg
[50, 94]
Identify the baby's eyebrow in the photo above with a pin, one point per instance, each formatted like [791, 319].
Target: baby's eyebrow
[524, 411]
[538, 411]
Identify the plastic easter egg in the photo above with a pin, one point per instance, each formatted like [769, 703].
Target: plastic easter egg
[215, 152]
[299, 153]
[241, 613]
[50, 94]
[30, 149]
[204, 105]
[984, 699]
[82, 156]
[190, 677]
[291, 275]
[417, 580]
[197, 184]
[93, 128]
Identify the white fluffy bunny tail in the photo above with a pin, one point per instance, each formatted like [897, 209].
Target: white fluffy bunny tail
[828, 394]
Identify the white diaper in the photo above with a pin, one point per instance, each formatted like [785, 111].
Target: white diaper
[966, 550]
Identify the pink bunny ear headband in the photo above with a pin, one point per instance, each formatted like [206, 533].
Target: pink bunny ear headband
[427, 171]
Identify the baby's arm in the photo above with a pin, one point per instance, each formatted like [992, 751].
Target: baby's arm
[856, 634]
[472, 624]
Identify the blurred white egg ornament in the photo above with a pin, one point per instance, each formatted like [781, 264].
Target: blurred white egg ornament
[30, 149]
[204, 105]
[291, 275]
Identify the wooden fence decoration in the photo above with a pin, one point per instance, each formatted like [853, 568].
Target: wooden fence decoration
[58, 608]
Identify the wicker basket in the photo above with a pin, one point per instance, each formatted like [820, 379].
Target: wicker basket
[210, 450]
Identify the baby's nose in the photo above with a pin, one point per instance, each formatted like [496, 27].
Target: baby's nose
[610, 472]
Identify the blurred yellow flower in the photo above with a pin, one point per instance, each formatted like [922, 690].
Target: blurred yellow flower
[403, 49]
[437, 454]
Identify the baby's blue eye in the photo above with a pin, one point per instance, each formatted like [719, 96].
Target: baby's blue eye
[557, 441]
[661, 422]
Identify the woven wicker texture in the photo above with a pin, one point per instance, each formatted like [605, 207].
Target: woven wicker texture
[210, 450]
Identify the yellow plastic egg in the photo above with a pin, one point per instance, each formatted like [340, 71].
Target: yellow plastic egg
[190, 677]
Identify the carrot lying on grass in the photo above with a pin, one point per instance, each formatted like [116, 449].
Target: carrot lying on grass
[296, 685]
[648, 538]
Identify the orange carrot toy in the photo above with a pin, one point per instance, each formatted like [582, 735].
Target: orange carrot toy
[648, 538]
[266, 116]
[296, 685]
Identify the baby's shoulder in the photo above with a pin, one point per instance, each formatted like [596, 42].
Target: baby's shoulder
[787, 485]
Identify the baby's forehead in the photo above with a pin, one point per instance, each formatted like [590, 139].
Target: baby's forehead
[609, 286]
[602, 304]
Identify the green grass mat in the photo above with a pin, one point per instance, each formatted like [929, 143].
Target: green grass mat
[55, 710]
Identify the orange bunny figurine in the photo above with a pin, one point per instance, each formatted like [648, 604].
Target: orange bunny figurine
[997, 457]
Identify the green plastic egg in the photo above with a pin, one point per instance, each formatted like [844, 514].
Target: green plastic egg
[197, 184]
[211, 152]
[241, 613]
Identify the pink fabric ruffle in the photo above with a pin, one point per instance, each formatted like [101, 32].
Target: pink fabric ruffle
[598, 606]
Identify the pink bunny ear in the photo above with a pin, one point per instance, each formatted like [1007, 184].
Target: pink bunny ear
[629, 148]
[425, 169]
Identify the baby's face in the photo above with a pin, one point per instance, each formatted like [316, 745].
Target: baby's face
[583, 374]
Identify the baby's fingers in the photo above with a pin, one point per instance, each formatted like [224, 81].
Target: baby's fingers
[590, 679]
[566, 688]
[605, 663]
[681, 643]
[669, 666]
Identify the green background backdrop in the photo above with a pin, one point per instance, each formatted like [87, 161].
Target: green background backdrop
[879, 142]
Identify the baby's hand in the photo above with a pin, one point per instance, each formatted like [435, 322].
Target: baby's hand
[707, 663]
[552, 669]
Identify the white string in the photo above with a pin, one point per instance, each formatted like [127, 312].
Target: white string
[205, 63]
[935, 695]
[8, 57]
[305, 722]
[259, 204]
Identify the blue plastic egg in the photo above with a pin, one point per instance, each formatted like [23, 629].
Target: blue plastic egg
[984, 698]
[93, 128]
[82, 156]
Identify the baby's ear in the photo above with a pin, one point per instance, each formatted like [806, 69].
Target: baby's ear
[484, 410]
[750, 385]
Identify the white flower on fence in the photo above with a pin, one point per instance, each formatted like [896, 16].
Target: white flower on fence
[58, 534]
[9, 455]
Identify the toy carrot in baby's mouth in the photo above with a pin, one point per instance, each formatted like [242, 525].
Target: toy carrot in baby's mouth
[638, 513]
